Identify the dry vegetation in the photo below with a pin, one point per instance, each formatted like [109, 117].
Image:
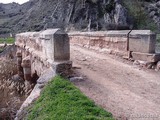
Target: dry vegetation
[10, 99]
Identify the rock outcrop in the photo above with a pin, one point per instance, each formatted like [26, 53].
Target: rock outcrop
[84, 15]
[71, 14]
[153, 10]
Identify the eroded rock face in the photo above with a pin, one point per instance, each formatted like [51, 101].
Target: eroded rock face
[120, 15]
[153, 10]
[70, 14]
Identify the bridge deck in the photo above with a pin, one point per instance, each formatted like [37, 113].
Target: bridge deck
[119, 87]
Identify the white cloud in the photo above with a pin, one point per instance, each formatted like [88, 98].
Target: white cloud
[10, 1]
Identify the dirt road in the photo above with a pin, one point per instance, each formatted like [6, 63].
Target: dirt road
[125, 91]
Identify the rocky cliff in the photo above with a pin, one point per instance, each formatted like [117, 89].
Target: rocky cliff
[153, 10]
[86, 15]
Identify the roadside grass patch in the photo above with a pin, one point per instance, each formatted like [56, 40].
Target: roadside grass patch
[61, 100]
[9, 40]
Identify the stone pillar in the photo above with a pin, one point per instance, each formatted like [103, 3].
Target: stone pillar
[142, 44]
[57, 49]
[55, 44]
[19, 67]
[26, 64]
[143, 41]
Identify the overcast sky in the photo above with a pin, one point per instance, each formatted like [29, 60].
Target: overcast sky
[10, 1]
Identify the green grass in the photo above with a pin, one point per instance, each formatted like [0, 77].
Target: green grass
[61, 100]
[7, 40]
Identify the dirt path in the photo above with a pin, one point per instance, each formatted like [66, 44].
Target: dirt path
[127, 92]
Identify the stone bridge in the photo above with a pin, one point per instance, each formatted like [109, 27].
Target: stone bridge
[47, 53]
[39, 51]
[50, 49]
[43, 54]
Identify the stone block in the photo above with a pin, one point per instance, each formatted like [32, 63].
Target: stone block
[142, 41]
[149, 57]
[56, 44]
[62, 68]
[118, 33]
[158, 66]
[113, 33]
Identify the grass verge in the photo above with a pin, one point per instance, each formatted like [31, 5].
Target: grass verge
[9, 40]
[61, 100]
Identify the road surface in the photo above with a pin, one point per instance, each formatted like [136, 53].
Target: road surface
[122, 89]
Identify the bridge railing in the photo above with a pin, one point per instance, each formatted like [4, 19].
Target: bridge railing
[138, 44]
[44, 49]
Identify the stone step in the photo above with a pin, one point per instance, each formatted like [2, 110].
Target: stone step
[149, 57]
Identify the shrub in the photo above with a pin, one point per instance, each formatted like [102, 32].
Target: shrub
[140, 18]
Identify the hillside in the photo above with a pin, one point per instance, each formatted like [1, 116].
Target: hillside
[78, 15]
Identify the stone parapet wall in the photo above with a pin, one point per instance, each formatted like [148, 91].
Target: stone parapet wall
[30, 44]
[122, 42]
[103, 41]
[45, 49]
